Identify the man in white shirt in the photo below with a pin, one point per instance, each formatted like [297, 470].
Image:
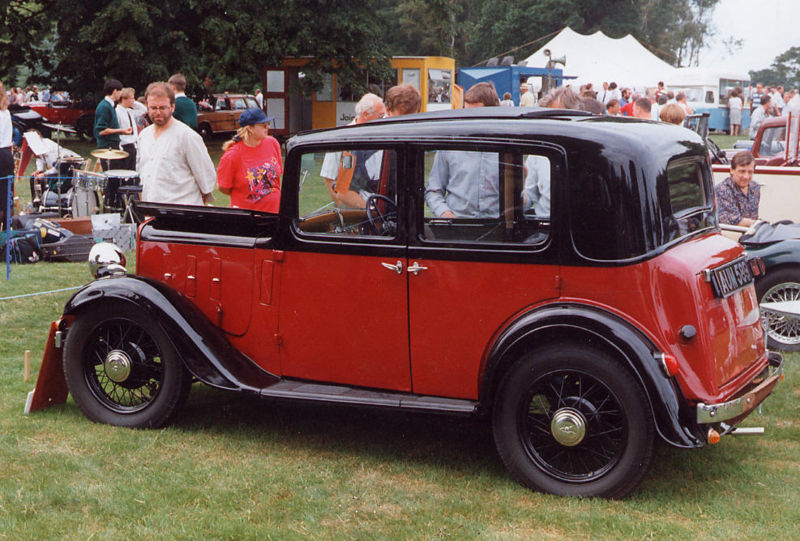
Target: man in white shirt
[259, 98]
[174, 165]
[126, 116]
[759, 115]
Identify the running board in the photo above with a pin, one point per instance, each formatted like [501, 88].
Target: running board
[339, 394]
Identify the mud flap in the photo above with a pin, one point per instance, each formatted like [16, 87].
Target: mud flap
[51, 386]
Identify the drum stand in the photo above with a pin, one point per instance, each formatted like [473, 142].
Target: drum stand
[129, 195]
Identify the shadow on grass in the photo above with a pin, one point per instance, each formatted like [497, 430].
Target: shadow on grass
[453, 441]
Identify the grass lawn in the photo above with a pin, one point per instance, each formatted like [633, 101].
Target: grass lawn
[233, 467]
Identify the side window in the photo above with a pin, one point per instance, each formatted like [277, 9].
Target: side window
[238, 104]
[221, 105]
[486, 196]
[687, 187]
[772, 142]
[348, 193]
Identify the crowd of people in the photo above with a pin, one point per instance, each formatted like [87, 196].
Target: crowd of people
[158, 133]
[32, 94]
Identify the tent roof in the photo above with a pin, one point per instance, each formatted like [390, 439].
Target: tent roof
[596, 58]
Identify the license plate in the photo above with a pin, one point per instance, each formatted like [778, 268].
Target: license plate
[729, 278]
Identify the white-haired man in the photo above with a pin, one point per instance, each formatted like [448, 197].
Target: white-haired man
[369, 107]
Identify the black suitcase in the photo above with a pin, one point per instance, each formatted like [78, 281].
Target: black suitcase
[72, 248]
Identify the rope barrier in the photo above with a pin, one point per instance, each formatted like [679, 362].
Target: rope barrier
[39, 293]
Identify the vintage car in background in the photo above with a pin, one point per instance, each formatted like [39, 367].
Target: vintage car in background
[582, 297]
[72, 114]
[23, 118]
[778, 247]
[777, 168]
[220, 113]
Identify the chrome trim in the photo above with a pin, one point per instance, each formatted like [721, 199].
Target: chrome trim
[415, 268]
[661, 359]
[59, 339]
[715, 413]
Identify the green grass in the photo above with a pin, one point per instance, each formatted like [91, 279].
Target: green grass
[233, 467]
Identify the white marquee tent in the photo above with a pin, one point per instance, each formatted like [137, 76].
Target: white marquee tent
[597, 58]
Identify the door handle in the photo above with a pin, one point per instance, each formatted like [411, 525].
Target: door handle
[397, 267]
[416, 268]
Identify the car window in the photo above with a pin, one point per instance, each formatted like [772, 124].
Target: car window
[486, 196]
[221, 105]
[348, 193]
[239, 104]
[250, 103]
[772, 142]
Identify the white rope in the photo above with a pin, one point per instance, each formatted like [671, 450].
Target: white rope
[39, 293]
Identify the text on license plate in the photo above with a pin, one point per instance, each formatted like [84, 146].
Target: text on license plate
[730, 278]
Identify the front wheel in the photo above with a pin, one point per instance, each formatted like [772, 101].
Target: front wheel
[573, 421]
[779, 285]
[122, 369]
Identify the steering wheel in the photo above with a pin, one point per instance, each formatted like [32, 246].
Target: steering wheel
[382, 222]
[717, 153]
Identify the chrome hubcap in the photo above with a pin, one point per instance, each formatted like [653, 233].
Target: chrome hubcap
[568, 427]
[117, 366]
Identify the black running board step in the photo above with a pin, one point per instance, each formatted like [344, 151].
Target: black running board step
[340, 394]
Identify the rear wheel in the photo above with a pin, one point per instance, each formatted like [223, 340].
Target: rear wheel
[573, 421]
[779, 285]
[205, 131]
[122, 369]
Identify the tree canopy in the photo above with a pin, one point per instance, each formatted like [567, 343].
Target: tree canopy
[76, 45]
[785, 70]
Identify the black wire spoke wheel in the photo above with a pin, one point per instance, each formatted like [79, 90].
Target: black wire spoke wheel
[122, 369]
[780, 285]
[572, 425]
[127, 372]
[573, 421]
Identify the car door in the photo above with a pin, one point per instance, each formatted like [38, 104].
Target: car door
[343, 313]
[472, 274]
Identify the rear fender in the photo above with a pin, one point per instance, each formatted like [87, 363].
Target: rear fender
[203, 347]
[564, 321]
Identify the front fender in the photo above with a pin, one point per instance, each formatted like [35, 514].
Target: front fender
[203, 347]
[570, 321]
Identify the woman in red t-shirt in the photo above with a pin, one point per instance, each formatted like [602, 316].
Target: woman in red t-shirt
[250, 170]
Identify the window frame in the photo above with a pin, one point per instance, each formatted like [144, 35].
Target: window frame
[332, 239]
[558, 174]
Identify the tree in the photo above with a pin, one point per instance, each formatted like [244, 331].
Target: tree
[140, 41]
[22, 25]
[785, 70]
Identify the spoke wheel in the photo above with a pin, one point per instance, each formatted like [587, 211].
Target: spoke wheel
[121, 368]
[573, 421]
[783, 332]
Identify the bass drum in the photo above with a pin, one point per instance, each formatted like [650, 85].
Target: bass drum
[83, 202]
[53, 201]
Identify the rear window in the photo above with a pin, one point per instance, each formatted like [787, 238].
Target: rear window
[687, 192]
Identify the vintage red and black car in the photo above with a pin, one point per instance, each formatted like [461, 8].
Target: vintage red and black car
[585, 324]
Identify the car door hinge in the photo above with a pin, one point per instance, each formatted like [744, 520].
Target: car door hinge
[278, 340]
[557, 279]
[278, 255]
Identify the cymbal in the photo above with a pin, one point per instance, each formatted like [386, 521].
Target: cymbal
[60, 127]
[109, 154]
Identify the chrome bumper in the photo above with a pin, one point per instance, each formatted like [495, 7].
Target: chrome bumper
[740, 407]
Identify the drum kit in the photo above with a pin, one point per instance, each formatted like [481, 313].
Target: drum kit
[78, 192]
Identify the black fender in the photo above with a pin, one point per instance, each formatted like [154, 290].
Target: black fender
[571, 321]
[203, 347]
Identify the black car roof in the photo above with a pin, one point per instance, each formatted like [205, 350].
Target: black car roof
[632, 137]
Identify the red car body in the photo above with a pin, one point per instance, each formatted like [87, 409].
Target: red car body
[584, 323]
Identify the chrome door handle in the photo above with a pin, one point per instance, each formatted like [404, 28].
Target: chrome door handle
[416, 268]
[397, 267]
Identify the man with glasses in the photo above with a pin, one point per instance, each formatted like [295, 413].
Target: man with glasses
[174, 165]
[358, 169]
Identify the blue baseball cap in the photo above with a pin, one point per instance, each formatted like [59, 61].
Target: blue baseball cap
[254, 115]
